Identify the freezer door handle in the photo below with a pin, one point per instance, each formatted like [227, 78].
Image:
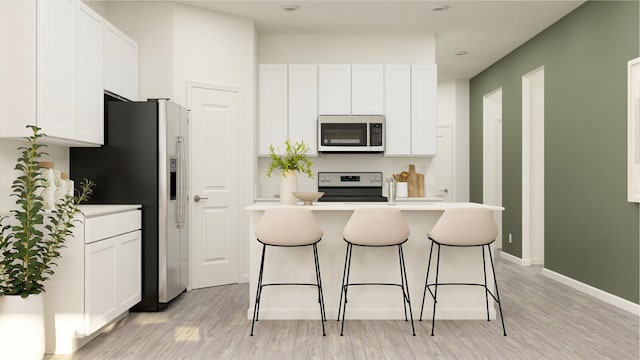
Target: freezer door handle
[182, 195]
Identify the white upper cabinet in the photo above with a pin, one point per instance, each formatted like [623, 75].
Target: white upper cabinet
[54, 78]
[303, 105]
[397, 105]
[17, 67]
[367, 89]
[272, 106]
[129, 68]
[424, 84]
[334, 87]
[287, 105]
[120, 63]
[89, 101]
[112, 58]
[55, 67]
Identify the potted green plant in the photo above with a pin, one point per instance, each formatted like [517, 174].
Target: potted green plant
[293, 160]
[30, 243]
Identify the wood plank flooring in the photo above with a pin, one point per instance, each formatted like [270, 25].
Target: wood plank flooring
[544, 320]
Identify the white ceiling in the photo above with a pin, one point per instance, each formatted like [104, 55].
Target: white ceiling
[487, 30]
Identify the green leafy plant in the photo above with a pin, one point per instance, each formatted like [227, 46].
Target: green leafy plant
[294, 159]
[30, 245]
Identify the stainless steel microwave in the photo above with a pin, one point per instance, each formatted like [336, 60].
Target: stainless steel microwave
[351, 133]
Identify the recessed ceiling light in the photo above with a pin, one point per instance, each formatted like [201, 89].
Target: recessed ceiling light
[461, 52]
[440, 8]
[290, 7]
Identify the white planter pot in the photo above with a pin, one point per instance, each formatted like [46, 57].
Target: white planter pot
[22, 327]
[288, 185]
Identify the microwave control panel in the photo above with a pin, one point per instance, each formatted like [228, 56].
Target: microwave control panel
[375, 134]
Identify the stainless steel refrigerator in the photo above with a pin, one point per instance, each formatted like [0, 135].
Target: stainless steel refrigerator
[145, 161]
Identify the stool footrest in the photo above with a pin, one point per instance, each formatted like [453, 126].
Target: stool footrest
[277, 284]
[466, 284]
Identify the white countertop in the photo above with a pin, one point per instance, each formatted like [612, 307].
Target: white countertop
[336, 206]
[97, 210]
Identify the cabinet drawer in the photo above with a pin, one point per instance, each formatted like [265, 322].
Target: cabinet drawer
[106, 226]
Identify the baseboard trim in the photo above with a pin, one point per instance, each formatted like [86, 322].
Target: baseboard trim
[537, 261]
[511, 258]
[595, 292]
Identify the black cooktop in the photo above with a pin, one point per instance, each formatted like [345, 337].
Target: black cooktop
[353, 198]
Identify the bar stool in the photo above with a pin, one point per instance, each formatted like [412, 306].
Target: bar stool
[375, 227]
[463, 227]
[289, 227]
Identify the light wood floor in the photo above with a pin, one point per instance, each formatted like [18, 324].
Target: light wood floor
[544, 320]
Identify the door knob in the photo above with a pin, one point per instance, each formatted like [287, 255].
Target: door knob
[197, 198]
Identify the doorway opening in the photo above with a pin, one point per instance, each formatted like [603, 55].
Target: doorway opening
[533, 167]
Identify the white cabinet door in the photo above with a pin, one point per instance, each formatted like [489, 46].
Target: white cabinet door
[55, 67]
[334, 89]
[303, 105]
[112, 58]
[17, 67]
[89, 103]
[397, 110]
[101, 281]
[129, 270]
[424, 82]
[444, 165]
[367, 89]
[272, 106]
[129, 68]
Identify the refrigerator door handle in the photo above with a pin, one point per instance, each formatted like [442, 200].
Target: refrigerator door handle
[182, 186]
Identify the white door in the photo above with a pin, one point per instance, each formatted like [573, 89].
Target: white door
[444, 164]
[215, 119]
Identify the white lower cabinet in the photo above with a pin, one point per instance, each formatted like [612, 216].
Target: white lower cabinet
[112, 279]
[98, 277]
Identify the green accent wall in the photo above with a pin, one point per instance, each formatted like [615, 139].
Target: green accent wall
[591, 231]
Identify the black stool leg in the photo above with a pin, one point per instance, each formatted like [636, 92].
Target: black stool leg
[405, 285]
[486, 289]
[495, 282]
[256, 305]
[402, 284]
[346, 287]
[319, 283]
[426, 281]
[344, 276]
[435, 293]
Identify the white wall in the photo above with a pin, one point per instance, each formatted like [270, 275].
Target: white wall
[345, 48]
[213, 47]
[9, 154]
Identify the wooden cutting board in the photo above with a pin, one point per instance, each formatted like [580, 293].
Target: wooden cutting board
[415, 183]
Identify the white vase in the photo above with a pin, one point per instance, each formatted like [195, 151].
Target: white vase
[22, 327]
[288, 185]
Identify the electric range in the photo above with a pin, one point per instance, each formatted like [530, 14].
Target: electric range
[351, 186]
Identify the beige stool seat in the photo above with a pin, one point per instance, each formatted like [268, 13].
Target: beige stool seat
[289, 227]
[375, 227]
[463, 227]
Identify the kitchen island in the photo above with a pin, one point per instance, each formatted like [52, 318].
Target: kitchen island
[368, 265]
